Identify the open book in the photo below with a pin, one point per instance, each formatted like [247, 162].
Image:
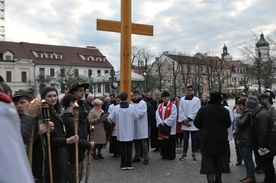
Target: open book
[104, 116]
[263, 152]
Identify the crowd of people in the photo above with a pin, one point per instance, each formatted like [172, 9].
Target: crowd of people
[56, 135]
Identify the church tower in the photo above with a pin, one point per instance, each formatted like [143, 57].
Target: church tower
[262, 48]
[225, 55]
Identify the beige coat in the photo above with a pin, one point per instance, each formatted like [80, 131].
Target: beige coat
[98, 132]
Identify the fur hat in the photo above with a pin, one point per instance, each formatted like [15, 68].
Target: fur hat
[251, 102]
[165, 94]
[216, 96]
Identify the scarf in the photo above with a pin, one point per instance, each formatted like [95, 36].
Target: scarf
[168, 111]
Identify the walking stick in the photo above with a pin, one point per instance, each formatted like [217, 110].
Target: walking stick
[88, 163]
[31, 141]
[30, 147]
[76, 127]
[46, 120]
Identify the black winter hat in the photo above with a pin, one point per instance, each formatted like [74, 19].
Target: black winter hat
[47, 89]
[165, 94]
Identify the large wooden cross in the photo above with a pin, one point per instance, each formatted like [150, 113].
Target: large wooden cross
[126, 28]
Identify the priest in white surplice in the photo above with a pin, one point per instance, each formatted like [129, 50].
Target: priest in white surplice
[166, 114]
[124, 116]
[141, 130]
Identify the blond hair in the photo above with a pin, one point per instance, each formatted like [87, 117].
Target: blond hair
[97, 102]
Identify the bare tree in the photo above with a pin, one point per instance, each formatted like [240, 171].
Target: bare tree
[67, 76]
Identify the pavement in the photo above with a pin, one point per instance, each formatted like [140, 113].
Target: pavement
[161, 171]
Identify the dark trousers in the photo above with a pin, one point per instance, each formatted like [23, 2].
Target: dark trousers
[194, 137]
[258, 158]
[71, 174]
[168, 147]
[154, 137]
[248, 160]
[238, 151]
[269, 170]
[126, 153]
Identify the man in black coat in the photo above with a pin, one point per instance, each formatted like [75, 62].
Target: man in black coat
[263, 126]
[213, 120]
[78, 90]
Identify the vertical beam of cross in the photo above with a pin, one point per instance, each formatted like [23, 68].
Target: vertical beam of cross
[126, 28]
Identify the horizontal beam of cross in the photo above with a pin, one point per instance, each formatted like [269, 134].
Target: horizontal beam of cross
[115, 26]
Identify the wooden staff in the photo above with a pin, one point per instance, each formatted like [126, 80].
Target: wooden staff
[30, 147]
[46, 120]
[88, 163]
[31, 141]
[76, 127]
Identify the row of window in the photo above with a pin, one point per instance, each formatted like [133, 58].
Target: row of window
[52, 73]
[91, 58]
[60, 56]
[76, 72]
[9, 76]
[48, 55]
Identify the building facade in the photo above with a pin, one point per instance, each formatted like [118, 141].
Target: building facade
[25, 65]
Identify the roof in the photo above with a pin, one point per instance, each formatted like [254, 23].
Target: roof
[70, 55]
[182, 59]
[105, 78]
[262, 41]
[232, 64]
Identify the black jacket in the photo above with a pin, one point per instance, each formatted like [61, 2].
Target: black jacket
[83, 144]
[27, 123]
[244, 129]
[83, 114]
[213, 120]
[58, 148]
[263, 129]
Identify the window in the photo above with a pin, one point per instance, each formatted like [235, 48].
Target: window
[8, 76]
[8, 57]
[89, 73]
[42, 71]
[99, 72]
[99, 88]
[23, 77]
[39, 55]
[52, 72]
[62, 72]
[106, 71]
[107, 88]
[76, 72]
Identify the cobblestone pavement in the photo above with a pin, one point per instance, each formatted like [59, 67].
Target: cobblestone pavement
[160, 171]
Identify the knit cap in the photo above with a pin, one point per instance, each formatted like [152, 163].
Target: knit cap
[251, 102]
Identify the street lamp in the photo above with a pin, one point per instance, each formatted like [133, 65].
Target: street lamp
[145, 82]
[235, 84]
[94, 85]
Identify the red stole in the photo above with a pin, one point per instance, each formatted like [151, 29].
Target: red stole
[168, 111]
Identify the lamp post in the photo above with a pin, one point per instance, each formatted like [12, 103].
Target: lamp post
[145, 82]
[235, 85]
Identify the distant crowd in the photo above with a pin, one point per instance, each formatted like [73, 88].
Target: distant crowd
[47, 140]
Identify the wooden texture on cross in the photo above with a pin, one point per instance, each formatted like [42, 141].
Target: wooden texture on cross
[126, 28]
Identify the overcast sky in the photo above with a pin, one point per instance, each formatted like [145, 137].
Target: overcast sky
[179, 25]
